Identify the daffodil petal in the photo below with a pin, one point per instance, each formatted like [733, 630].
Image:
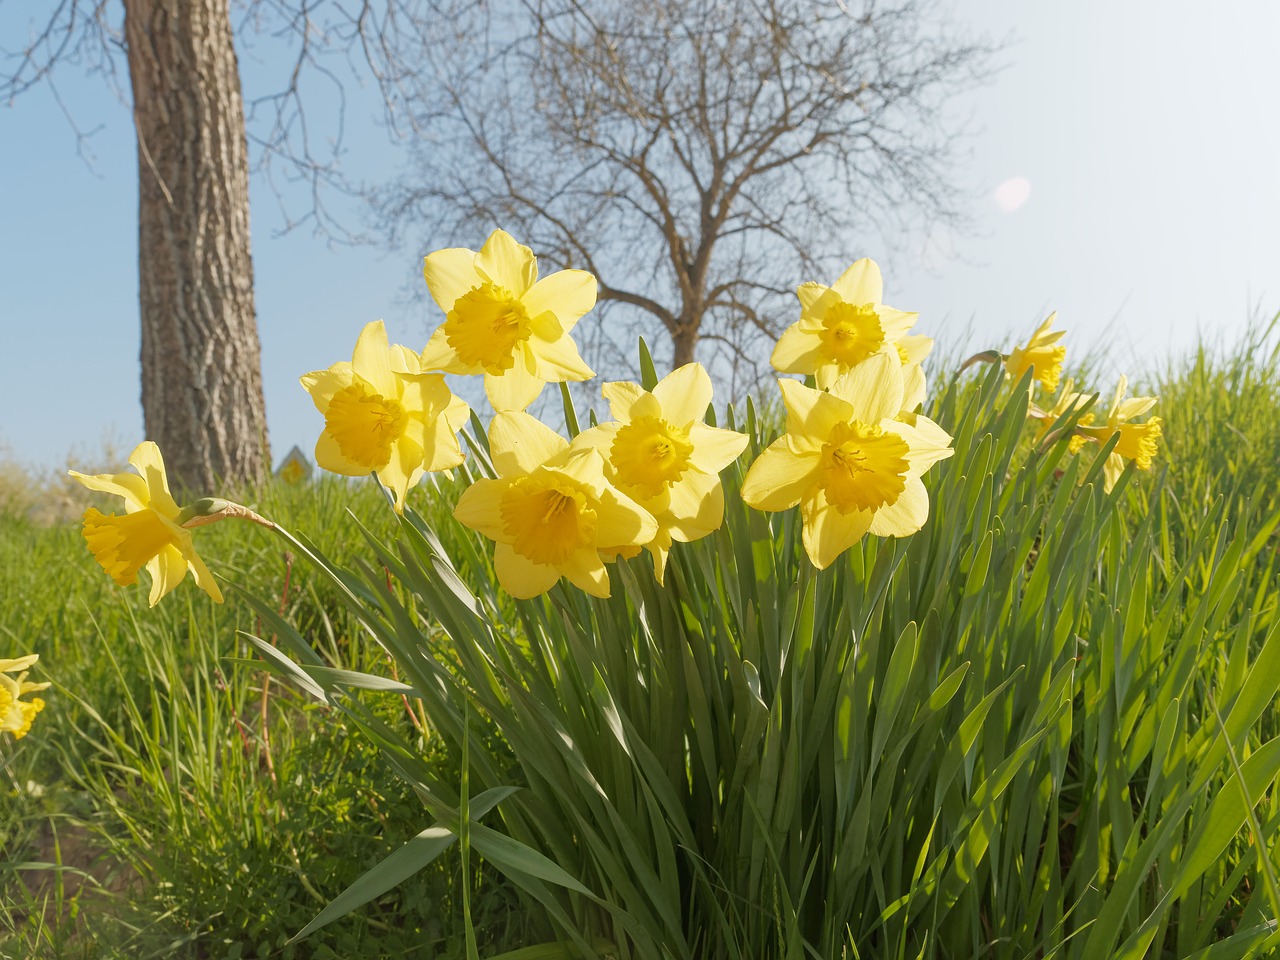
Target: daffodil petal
[450, 274]
[659, 548]
[812, 294]
[506, 263]
[861, 283]
[1111, 470]
[812, 413]
[519, 443]
[585, 570]
[622, 395]
[905, 515]
[696, 506]
[128, 485]
[568, 294]
[167, 568]
[329, 457]
[480, 507]
[513, 390]
[520, 576]
[873, 388]
[685, 394]
[913, 387]
[828, 532]
[204, 579]
[372, 358]
[797, 351]
[19, 664]
[558, 360]
[1133, 407]
[323, 384]
[895, 323]
[147, 461]
[779, 478]
[714, 448]
[620, 520]
[439, 355]
[403, 470]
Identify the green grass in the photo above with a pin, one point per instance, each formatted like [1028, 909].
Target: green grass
[1025, 731]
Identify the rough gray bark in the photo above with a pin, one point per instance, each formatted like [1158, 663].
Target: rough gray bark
[201, 362]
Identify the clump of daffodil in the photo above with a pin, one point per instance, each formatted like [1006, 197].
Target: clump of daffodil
[16, 714]
[550, 510]
[660, 453]
[384, 414]
[849, 461]
[502, 321]
[151, 532]
[1043, 355]
[843, 325]
[1139, 442]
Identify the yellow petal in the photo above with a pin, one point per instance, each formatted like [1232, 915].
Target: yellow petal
[515, 389]
[873, 388]
[520, 576]
[895, 323]
[1133, 407]
[147, 461]
[439, 355]
[715, 448]
[457, 414]
[557, 360]
[811, 414]
[797, 351]
[814, 297]
[568, 294]
[914, 348]
[449, 274]
[621, 521]
[519, 443]
[586, 571]
[1111, 470]
[622, 396]
[167, 568]
[696, 506]
[329, 457]
[372, 358]
[323, 384]
[19, 664]
[480, 508]
[506, 263]
[905, 515]
[685, 395]
[779, 478]
[828, 532]
[861, 283]
[927, 443]
[659, 548]
[403, 470]
[913, 387]
[128, 485]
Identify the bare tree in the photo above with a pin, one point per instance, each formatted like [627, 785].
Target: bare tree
[201, 369]
[699, 156]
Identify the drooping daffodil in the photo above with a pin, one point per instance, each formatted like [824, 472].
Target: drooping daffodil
[843, 325]
[550, 510]
[1043, 355]
[1139, 442]
[16, 714]
[384, 414]
[849, 461]
[503, 322]
[150, 533]
[659, 451]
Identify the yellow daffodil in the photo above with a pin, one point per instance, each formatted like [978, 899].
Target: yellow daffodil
[502, 321]
[1139, 442]
[843, 325]
[16, 714]
[149, 534]
[1042, 355]
[1068, 402]
[384, 414]
[847, 459]
[659, 452]
[550, 510]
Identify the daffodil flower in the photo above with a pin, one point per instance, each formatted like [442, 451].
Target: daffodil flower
[149, 533]
[383, 414]
[659, 452]
[502, 321]
[1139, 442]
[550, 510]
[849, 461]
[1067, 402]
[16, 714]
[1043, 355]
[843, 325]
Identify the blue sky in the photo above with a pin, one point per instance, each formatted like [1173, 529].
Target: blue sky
[1124, 172]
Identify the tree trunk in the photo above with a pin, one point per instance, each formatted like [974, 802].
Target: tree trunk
[201, 362]
[684, 341]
